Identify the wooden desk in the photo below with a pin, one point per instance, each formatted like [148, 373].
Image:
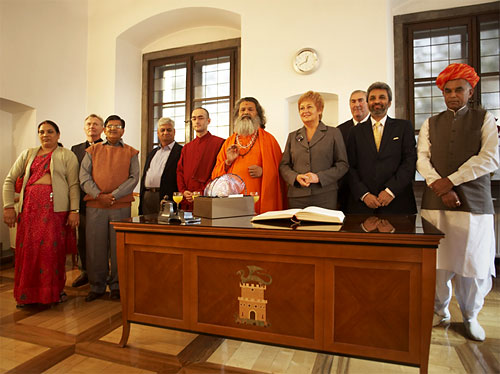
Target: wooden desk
[352, 292]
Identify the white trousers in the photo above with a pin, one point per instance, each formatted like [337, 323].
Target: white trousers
[470, 293]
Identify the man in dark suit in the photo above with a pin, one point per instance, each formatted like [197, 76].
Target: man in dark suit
[359, 110]
[159, 177]
[360, 113]
[382, 157]
[93, 127]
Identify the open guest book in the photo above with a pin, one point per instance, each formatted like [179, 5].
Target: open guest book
[310, 214]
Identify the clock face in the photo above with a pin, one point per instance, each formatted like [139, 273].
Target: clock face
[306, 61]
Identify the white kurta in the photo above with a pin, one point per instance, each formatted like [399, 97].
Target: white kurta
[469, 246]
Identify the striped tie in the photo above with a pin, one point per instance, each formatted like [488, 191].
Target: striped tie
[377, 134]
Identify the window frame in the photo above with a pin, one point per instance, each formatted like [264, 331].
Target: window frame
[404, 25]
[188, 54]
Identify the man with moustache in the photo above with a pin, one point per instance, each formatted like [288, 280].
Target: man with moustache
[197, 158]
[159, 176]
[360, 113]
[457, 151]
[93, 127]
[382, 159]
[108, 174]
[253, 154]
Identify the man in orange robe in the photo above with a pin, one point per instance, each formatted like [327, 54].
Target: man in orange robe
[254, 155]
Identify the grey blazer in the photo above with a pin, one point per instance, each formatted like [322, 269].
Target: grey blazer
[324, 155]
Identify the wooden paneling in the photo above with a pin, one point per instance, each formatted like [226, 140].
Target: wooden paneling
[353, 293]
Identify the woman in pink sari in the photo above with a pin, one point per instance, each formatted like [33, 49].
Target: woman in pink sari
[48, 215]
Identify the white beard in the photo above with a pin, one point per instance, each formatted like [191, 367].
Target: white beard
[246, 126]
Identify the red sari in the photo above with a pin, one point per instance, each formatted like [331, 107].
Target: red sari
[42, 241]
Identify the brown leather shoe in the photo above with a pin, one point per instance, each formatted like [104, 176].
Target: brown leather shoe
[93, 295]
[82, 279]
[115, 295]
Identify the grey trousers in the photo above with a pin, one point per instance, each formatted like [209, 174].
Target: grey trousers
[82, 243]
[327, 200]
[151, 202]
[101, 247]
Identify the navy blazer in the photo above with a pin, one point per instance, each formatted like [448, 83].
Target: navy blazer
[393, 166]
[168, 184]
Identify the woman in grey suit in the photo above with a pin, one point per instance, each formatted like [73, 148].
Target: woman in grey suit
[314, 158]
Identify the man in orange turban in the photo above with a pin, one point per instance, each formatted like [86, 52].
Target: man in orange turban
[457, 71]
[457, 150]
[253, 154]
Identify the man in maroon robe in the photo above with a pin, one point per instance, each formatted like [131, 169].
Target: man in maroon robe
[197, 158]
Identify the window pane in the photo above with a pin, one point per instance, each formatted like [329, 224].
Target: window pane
[419, 119]
[422, 54]
[489, 30]
[439, 52]
[490, 47]
[211, 77]
[490, 84]
[458, 50]
[423, 105]
[490, 64]
[219, 116]
[438, 67]
[169, 83]
[421, 38]
[438, 37]
[438, 105]
[490, 100]
[210, 85]
[422, 91]
[422, 70]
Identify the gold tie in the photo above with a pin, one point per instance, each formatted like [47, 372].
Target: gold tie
[377, 135]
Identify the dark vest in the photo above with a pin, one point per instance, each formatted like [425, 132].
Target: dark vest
[454, 139]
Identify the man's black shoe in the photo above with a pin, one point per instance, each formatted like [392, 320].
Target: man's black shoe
[115, 295]
[93, 295]
[82, 279]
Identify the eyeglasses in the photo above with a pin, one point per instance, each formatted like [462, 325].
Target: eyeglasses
[114, 126]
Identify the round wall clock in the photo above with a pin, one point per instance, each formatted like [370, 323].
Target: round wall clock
[306, 61]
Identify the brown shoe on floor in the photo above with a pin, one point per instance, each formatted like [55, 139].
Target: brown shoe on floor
[115, 295]
[93, 295]
[82, 279]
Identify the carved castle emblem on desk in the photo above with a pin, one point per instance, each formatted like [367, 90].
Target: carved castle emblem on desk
[252, 304]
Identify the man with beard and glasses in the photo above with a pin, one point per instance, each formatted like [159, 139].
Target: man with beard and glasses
[254, 155]
[457, 151]
[382, 157]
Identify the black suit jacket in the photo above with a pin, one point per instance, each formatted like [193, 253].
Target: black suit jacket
[168, 184]
[392, 167]
[345, 128]
[79, 151]
[343, 193]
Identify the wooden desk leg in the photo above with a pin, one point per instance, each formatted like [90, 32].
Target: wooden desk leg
[427, 311]
[125, 334]
[122, 276]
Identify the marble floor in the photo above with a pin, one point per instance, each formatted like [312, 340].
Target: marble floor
[79, 337]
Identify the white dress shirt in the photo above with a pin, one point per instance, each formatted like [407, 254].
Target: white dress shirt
[157, 165]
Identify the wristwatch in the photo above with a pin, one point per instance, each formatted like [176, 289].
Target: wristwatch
[75, 211]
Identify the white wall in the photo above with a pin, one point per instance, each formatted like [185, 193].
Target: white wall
[354, 50]
[43, 60]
